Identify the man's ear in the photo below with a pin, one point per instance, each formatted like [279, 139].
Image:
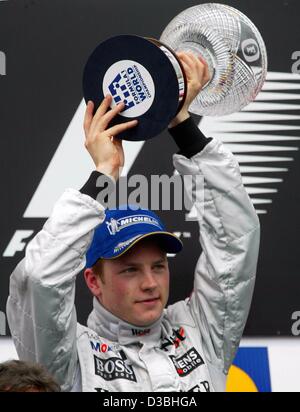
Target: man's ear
[93, 282]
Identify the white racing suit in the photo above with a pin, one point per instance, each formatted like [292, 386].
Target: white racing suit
[193, 344]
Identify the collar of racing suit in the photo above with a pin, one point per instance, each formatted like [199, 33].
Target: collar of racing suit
[107, 325]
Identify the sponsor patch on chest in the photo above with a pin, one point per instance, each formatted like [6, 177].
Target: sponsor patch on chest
[113, 368]
[175, 339]
[188, 362]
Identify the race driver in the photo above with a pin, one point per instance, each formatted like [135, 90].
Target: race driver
[132, 342]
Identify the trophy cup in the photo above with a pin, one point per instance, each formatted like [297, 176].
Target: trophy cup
[147, 76]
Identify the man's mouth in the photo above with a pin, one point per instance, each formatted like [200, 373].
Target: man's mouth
[149, 301]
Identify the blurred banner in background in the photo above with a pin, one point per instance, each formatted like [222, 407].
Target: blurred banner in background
[43, 48]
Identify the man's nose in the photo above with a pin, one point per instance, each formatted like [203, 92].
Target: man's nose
[149, 280]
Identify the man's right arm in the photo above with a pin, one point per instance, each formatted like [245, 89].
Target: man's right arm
[40, 307]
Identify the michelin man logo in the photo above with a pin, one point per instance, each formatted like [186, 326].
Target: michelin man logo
[112, 226]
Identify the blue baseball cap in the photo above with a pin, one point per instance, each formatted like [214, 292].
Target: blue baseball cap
[123, 228]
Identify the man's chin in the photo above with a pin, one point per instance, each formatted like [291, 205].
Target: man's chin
[146, 321]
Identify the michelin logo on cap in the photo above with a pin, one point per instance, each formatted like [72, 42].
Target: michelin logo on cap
[115, 225]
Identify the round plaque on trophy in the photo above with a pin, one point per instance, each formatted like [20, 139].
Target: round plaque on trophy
[147, 76]
[136, 71]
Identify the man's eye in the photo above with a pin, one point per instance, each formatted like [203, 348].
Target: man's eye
[129, 270]
[159, 266]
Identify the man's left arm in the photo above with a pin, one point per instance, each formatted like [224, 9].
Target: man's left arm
[229, 236]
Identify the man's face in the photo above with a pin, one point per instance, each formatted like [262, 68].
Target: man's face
[135, 286]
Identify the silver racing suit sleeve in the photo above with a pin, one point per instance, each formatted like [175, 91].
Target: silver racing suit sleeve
[40, 307]
[229, 237]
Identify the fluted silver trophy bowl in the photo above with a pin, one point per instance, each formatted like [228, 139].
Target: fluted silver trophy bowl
[233, 48]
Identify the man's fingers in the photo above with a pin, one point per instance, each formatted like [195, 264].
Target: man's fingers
[107, 118]
[189, 59]
[92, 120]
[88, 117]
[187, 64]
[203, 61]
[119, 128]
[196, 67]
[104, 115]
[187, 69]
[102, 109]
[206, 73]
[193, 67]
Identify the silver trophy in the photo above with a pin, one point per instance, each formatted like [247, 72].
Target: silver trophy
[147, 75]
[233, 48]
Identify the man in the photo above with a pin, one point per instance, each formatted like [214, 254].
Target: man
[20, 376]
[132, 343]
